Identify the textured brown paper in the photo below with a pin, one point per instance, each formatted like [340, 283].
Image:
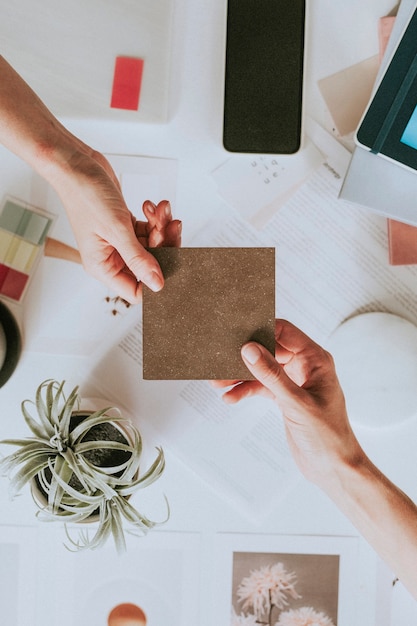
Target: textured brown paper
[214, 300]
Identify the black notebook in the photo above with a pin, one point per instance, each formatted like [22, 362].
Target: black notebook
[264, 76]
[389, 125]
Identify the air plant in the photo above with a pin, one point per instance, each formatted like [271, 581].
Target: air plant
[83, 466]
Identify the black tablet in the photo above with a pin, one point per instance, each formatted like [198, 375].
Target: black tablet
[389, 125]
[264, 76]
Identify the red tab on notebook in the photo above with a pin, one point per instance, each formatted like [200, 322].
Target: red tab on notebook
[126, 83]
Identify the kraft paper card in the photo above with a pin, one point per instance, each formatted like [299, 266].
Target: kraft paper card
[214, 300]
[347, 93]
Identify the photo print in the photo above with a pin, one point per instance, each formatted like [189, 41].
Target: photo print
[287, 580]
[154, 582]
[17, 574]
[285, 589]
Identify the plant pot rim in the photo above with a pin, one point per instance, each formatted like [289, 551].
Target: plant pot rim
[39, 495]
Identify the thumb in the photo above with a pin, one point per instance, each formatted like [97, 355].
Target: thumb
[269, 372]
[141, 262]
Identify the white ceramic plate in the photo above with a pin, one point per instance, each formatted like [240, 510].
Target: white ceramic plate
[376, 362]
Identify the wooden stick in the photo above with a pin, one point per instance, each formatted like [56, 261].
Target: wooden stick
[59, 250]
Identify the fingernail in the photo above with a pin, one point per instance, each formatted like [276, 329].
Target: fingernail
[150, 206]
[154, 281]
[179, 228]
[251, 352]
[168, 209]
[157, 238]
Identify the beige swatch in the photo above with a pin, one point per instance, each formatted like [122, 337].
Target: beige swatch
[348, 92]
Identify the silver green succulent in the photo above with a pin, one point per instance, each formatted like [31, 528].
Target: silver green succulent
[69, 464]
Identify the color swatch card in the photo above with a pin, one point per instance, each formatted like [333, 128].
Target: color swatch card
[23, 230]
[127, 81]
[214, 300]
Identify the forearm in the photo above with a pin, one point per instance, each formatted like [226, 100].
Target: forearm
[382, 513]
[108, 235]
[302, 380]
[29, 129]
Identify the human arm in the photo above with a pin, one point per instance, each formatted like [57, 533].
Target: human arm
[303, 383]
[106, 232]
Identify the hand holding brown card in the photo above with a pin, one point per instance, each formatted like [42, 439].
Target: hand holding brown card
[214, 300]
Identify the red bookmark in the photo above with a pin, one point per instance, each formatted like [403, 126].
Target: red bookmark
[126, 83]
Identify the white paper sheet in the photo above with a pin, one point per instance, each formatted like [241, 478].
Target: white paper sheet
[332, 263]
[17, 575]
[257, 186]
[331, 256]
[327, 575]
[159, 573]
[239, 451]
[70, 60]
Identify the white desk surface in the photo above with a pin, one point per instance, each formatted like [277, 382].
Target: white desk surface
[339, 35]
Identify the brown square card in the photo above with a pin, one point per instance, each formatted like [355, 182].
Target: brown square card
[214, 300]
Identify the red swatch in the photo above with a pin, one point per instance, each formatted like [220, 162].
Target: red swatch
[14, 282]
[126, 83]
[4, 270]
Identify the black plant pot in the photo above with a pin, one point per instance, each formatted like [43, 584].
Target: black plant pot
[100, 458]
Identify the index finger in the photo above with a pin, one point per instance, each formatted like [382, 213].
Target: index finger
[158, 215]
[291, 340]
[219, 384]
[302, 358]
[123, 283]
